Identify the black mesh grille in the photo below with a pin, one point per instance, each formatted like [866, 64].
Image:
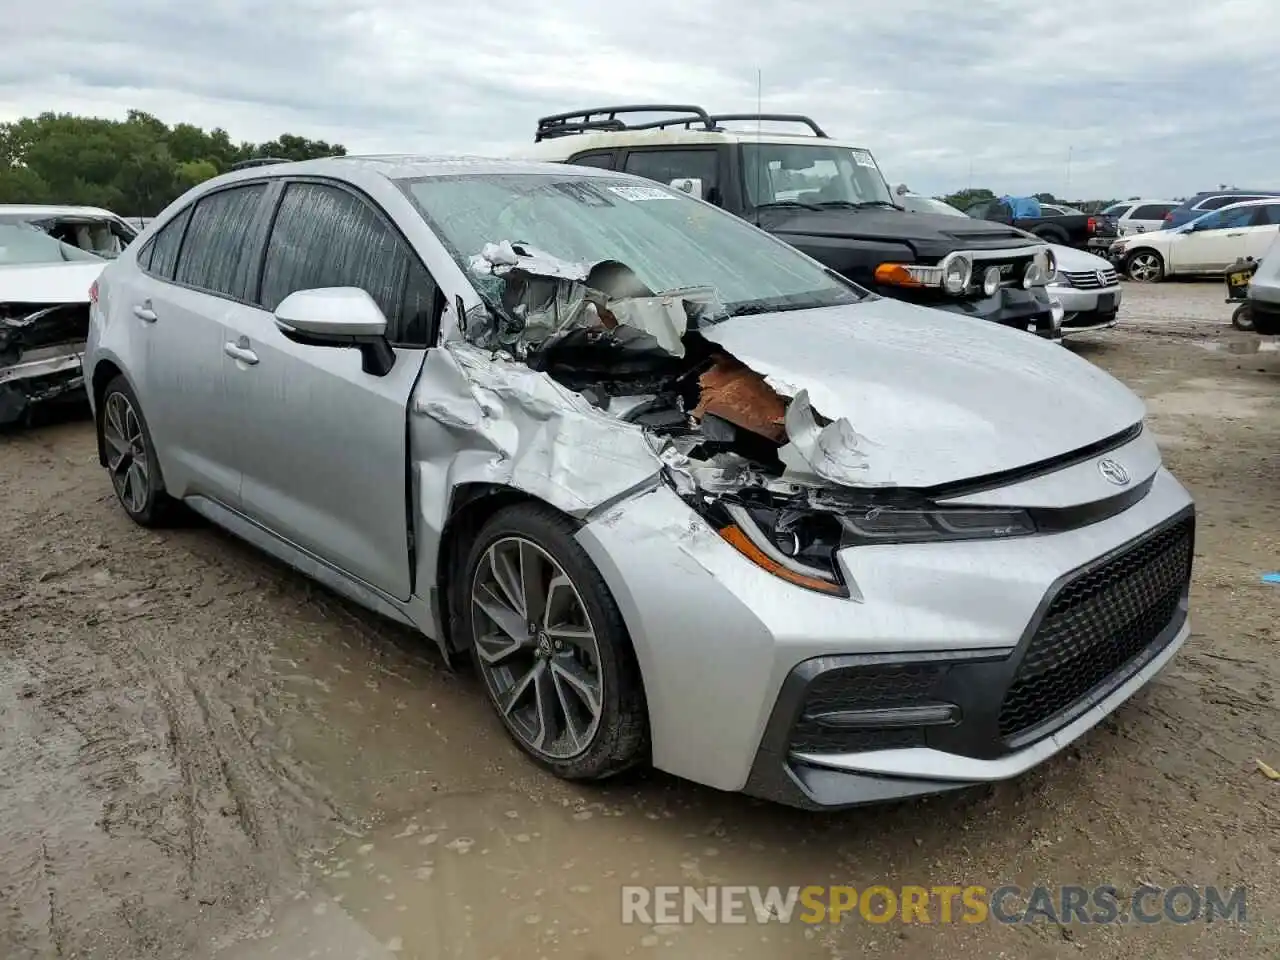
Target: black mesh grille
[1096, 625]
[863, 688]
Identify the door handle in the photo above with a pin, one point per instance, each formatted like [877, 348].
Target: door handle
[1239, 233]
[143, 311]
[241, 353]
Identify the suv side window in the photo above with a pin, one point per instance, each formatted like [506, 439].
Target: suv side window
[1152, 211]
[603, 160]
[325, 236]
[217, 254]
[165, 244]
[1215, 203]
[1266, 215]
[1118, 210]
[667, 165]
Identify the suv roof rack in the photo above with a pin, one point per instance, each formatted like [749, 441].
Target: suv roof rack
[256, 162]
[600, 119]
[719, 118]
[606, 119]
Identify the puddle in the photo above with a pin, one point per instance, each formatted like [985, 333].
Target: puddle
[498, 875]
[1240, 347]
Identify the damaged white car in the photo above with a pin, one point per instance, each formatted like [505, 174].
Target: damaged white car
[44, 317]
[686, 496]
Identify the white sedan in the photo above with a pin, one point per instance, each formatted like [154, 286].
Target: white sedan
[1208, 244]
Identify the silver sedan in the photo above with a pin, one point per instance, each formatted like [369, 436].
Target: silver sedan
[681, 494]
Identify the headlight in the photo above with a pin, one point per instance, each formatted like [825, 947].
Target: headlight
[956, 274]
[799, 543]
[991, 281]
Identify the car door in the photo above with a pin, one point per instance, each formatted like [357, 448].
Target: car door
[179, 298]
[1214, 242]
[324, 444]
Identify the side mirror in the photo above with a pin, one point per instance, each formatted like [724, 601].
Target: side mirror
[901, 190]
[338, 317]
[689, 185]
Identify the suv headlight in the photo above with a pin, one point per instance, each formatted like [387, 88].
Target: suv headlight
[799, 544]
[956, 273]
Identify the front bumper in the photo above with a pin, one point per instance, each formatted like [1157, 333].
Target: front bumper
[1029, 310]
[42, 374]
[723, 645]
[1087, 309]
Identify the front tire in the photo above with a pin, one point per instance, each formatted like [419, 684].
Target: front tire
[1144, 266]
[131, 459]
[551, 646]
[1242, 319]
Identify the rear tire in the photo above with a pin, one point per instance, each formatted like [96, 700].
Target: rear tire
[131, 458]
[551, 646]
[1144, 266]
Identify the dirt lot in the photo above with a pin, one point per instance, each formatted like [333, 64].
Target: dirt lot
[202, 754]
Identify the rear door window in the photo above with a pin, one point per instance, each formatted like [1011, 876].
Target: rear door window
[603, 161]
[1152, 211]
[218, 254]
[325, 236]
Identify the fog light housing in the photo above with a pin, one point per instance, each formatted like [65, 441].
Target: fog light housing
[991, 281]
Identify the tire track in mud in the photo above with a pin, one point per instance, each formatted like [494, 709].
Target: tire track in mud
[145, 785]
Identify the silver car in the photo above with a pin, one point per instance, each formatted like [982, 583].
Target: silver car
[685, 496]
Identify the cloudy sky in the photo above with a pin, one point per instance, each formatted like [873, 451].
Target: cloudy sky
[1159, 97]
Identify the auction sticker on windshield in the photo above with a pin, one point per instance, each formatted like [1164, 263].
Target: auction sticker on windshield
[641, 193]
[863, 158]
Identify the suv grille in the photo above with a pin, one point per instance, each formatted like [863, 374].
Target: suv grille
[1091, 279]
[1011, 269]
[1096, 625]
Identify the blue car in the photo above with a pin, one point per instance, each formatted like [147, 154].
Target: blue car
[1208, 200]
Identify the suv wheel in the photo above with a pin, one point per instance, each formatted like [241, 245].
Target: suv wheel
[131, 461]
[1242, 319]
[1144, 266]
[551, 646]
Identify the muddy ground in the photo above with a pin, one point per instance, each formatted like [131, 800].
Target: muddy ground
[204, 755]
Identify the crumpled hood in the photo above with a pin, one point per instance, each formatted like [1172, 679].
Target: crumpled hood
[48, 282]
[930, 235]
[934, 398]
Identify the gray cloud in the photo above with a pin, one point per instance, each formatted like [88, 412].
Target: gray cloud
[1157, 99]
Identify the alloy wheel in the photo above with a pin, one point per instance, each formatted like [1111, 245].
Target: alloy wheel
[127, 459]
[1145, 267]
[537, 648]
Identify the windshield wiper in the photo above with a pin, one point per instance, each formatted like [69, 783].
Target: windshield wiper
[788, 203]
[858, 205]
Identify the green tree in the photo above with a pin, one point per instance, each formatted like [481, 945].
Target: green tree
[963, 199]
[136, 166]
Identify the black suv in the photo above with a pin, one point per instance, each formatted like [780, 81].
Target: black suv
[822, 196]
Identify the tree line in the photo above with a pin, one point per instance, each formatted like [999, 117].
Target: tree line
[134, 167]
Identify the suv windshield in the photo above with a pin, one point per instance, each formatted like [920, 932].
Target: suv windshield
[670, 240]
[21, 243]
[812, 174]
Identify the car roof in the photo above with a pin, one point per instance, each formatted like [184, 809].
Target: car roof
[398, 167]
[1233, 193]
[1262, 202]
[53, 210]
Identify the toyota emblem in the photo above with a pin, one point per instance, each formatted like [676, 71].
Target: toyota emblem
[1113, 472]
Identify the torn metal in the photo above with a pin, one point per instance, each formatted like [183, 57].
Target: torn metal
[41, 354]
[540, 299]
[579, 386]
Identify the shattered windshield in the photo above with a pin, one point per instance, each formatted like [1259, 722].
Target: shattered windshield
[22, 243]
[103, 237]
[669, 240]
[803, 174]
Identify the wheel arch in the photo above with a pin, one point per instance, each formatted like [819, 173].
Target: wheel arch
[104, 371]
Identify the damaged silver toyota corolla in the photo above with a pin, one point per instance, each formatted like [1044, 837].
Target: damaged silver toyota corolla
[685, 495]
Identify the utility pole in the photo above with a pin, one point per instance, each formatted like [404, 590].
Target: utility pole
[1069, 152]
